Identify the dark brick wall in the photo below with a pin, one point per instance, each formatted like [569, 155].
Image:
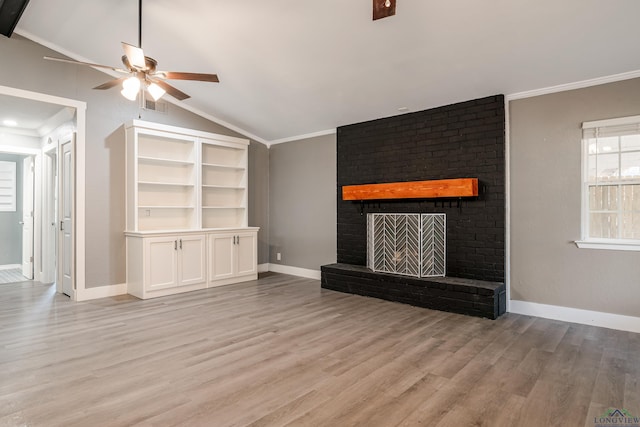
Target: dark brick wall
[464, 140]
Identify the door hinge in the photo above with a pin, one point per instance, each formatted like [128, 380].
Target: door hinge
[30, 259]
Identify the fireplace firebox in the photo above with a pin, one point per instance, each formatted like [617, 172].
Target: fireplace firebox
[407, 244]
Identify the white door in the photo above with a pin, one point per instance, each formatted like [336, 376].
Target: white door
[247, 254]
[66, 189]
[192, 260]
[160, 263]
[49, 217]
[27, 218]
[221, 256]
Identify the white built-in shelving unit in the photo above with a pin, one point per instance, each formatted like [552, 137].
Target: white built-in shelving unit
[223, 185]
[186, 196]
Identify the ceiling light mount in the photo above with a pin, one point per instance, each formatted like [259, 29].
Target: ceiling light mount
[383, 8]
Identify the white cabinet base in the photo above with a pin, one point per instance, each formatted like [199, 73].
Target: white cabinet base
[167, 263]
[232, 256]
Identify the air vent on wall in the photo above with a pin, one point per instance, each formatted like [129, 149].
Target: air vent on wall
[159, 106]
[10, 13]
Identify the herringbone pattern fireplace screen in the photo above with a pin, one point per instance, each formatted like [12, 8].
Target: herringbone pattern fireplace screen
[408, 244]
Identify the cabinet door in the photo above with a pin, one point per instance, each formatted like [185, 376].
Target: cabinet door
[246, 251]
[191, 260]
[221, 256]
[160, 263]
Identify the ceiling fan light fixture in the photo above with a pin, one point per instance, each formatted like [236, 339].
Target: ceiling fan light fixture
[130, 88]
[155, 91]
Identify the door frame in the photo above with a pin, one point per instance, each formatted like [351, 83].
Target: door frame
[49, 218]
[29, 177]
[80, 292]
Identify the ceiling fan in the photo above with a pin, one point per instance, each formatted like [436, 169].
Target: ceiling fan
[142, 72]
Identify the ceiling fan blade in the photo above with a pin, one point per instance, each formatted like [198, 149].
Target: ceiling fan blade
[174, 75]
[135, 55]
[176, 93]
[71, 61]
[111, 83]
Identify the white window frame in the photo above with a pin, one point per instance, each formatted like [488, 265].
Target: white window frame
[9, 181]
[587, 242]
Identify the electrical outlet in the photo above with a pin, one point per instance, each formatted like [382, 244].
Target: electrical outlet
[147, 212]
[279, 256]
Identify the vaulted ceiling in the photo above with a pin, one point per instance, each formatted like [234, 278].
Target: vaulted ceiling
[297, 67]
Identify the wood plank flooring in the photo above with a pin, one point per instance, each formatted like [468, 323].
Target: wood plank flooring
[12, 275]
[281, 351]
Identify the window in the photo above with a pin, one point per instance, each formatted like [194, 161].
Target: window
[611, 184]
[7, 186]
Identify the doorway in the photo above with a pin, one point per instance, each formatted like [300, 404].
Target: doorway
[56, 254]
[16, 201]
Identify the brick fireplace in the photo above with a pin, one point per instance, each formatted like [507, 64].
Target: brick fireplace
[460, 140]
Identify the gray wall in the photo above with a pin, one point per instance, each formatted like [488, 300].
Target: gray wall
[259, 196]
[24, 68]
[10, 229]
[302, 202]
[546, 266]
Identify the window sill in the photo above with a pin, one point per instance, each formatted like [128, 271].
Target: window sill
[611, 245]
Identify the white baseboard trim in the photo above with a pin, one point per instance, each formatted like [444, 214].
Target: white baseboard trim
[101, 292]
[295, 271]
[263, 268]
[10, 266]
[575, 315]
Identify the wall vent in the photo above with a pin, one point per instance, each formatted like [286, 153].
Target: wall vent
[159, 106]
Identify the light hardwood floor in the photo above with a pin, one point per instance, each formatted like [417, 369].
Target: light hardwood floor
[12, 275]
[282, 351]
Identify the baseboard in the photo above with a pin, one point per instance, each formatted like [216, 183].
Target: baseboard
[295, 271]
[575, 315]
[263, 268]
[101, 292]
[10, 266]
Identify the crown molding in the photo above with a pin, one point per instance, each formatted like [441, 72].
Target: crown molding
[575, 85]
[304, 136]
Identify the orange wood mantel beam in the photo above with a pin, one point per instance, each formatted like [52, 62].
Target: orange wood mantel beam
[442, 188]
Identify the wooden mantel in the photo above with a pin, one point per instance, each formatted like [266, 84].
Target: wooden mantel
[442, 188]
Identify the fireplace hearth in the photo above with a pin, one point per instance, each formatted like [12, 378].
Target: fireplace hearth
[464, 296]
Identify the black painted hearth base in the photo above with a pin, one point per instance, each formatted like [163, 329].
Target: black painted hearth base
[465, 296]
